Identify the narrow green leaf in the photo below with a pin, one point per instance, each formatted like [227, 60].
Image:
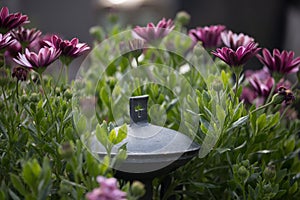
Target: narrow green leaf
[241, 121]
[17, 183]
[13, 195]
[260, 123]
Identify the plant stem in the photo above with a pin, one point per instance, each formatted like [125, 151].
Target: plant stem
[262, 107]
[4, 96]
[60, 73]
[46, 95]
[67, 74]
[237, 72]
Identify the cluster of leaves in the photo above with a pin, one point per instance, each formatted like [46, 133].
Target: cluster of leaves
[42, 155]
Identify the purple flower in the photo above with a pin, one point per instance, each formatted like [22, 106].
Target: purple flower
[238, 57]
[38, 61]
[210, 36]
[233, 40]
[261, 84]
[11, 21]
[69, 49]
[108, 190]
[152, 33]
[6, 40]
[26, 36]
[261, 81]
[283, 62]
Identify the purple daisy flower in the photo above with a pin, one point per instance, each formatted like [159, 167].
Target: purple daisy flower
[6, 40]
[108, 190]
[69, 49]
[152, 34]
[210, 36]
[11, 21]
[26, 36]
[281, 62]
[38, 61]
[238, 57]
[261, 81]
[233, 40]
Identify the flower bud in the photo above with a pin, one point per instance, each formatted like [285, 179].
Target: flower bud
[283, 95]
[217, 85]
[20, 73]
[138, 189]
[183, 17]
[66, 150]
[34, 97]
[68, 94]
[243, 172]
[245, 163]
[57, 91]
[269, 173]
[24, 99]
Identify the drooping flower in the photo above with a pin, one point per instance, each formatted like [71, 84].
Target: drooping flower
[210, 36]
[38, 61]
[20, 73]
[281, 62]
[69, 49]
[238, 57]
[5, 40]
[108, 190]
[283, 95]
[153, 34]
[25, 36]
[233, 40]
[9, 21]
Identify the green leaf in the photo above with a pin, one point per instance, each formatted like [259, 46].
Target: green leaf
[122, 133]
[104, 164]
[223, 150]
[112, 136]
[81, 124]
[225, 78]
[274, 119]
[241, 121]
[220, 115]
[104, 96]
[13, 195]
[260, 123]
[30, 173]
[101, 134]
[241, 146]
[17, 183]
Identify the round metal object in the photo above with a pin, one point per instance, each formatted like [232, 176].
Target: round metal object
[151, 150]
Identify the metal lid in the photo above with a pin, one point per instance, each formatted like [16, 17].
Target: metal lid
[148, 143]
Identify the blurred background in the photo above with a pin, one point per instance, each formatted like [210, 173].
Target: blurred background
[273, 23]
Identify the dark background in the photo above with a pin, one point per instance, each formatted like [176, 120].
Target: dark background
[273, 23]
